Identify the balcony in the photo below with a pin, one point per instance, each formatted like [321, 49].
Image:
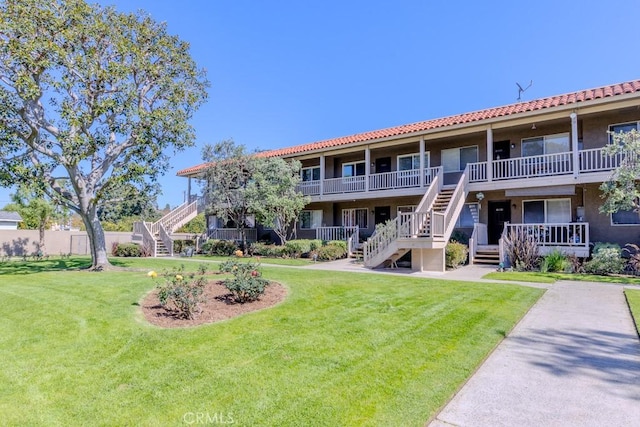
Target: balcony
[518, 169]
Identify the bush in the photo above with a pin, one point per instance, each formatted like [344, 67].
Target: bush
[181, 293]
[633, 252]
[331, 252]
[126, 250]
[455, 254]
[267, 250]
[606, 260]
[555, 261]
[179, 246]
[299, 247]
[247, 284]
[459, 236]
[340, 243]
[522, 251]
[219, 247]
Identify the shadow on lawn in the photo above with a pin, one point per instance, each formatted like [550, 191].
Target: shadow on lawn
[30, 267]
[608, 356]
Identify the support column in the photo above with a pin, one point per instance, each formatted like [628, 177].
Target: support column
[574, 144]
[489, 154]
[422, 165]
[367, 167]
[189, 190]
[321, 174]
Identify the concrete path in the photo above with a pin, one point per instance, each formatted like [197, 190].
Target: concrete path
[573, 360]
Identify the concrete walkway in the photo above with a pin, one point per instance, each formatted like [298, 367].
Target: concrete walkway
[573, 360]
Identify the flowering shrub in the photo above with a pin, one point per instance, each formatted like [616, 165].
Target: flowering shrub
[247, 284]
[180, 292]
[238, 253]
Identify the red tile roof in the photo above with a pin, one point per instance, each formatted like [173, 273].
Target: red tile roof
[476, 116]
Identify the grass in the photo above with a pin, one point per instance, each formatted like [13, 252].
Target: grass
[343, 349]
[538, 277]
[633, 298]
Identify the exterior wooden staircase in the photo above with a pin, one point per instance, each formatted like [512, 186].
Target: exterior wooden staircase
[487, 254]
[156, 236]
[425, 231]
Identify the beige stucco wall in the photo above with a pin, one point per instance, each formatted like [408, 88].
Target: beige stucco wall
[20, 242]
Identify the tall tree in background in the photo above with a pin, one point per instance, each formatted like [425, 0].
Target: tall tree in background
[36, 210]
[275, 200]
[621, 191]
[90, 99]
[228, 179]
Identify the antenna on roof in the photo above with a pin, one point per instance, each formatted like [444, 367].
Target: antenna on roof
[521, 91]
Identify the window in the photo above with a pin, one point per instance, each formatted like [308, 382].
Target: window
[628, 217]
[310, 219]
[310, 174]
[621, 128]
[549, 144]
[353, 169]
[406, 209]
[550, 211]
[353, 217]
[468, 215]
[455, 159]
[409, 162]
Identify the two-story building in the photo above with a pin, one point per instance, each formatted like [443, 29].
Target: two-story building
[533, 166]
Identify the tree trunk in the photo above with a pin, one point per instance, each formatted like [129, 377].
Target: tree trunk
[41, 242]
[97, 242]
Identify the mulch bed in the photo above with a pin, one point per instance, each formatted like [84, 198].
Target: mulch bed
[218, 306]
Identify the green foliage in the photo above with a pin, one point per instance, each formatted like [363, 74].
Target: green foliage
[267, 250]
[181, 292]
[455, 254]
[123, 224]
[598, 246]
[247, 284]
[621, 191]
[90, 101]
[126, 250]
[606, 260]
[331, 252]
[179, 246]
[555, 261]
[219, 247]
[341, 243]
[273, 194]
[301, 247]
[522, 250]
[197, 225]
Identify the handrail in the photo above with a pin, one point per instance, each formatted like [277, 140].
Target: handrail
[336, 232]
[473, 243]
[432, 192]
[501, 248]
[384, 235]
[453, 208]
[148, 240]
[166, 239]
[173, 219]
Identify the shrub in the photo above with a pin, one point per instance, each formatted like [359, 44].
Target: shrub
[575, 264]
[247, 284]
[267, 250]
[632, 251]
[297, 248]
[126, 250]
[219, 247]
[340, 243]
[604, 245]
[181, 293]
[180, 246]
[331, 252]
[555, 261]
[606, 260]
[459, 236]
[455, 254]
[521, 250]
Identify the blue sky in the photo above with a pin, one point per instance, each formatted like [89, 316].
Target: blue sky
[291, 72]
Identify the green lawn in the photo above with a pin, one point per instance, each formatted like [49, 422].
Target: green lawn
[538, 277]
[343, 349]
[633, 298]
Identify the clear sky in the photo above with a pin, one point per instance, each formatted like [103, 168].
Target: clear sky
[288, 72]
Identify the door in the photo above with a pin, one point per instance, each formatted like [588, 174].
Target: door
[499, 213]
[382, 214]
[501, 151]
[383, 164]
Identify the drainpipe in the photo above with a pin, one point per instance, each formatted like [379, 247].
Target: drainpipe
[489, 154]
[574, 144]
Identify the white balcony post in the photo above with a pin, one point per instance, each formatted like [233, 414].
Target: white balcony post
[574, 144]
[422, 165]
[489, 154]
[367, 167]
[321, 174]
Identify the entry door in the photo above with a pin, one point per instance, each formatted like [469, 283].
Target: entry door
[383, 164]
[499, 213]
[501, 150]
[382, 214]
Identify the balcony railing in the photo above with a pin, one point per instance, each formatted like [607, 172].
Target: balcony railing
[557, 164]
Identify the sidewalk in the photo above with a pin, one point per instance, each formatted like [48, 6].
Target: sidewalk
[573, 360]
